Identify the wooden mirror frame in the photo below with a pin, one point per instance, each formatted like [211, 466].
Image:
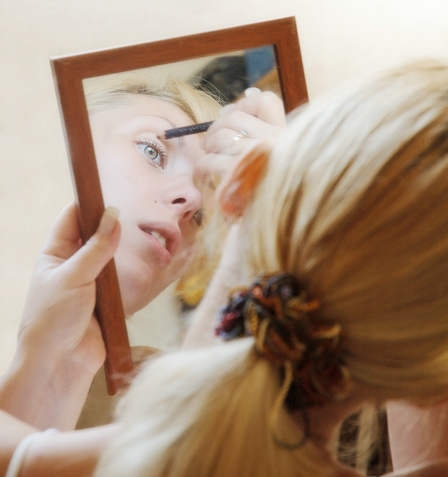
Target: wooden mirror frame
[69, 73]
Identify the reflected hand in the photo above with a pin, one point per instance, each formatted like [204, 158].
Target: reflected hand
[228, 274]
[258, 116]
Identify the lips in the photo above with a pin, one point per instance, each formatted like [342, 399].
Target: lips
[164, 239]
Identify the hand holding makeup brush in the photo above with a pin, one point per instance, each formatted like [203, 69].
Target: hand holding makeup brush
[257, 116]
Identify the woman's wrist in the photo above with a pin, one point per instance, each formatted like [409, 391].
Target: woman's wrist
[69, 454]
[56, 386]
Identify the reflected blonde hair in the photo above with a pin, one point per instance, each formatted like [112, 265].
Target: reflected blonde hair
[354, 203]
[197, 104]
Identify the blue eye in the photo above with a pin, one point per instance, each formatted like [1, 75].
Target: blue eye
[153, 152]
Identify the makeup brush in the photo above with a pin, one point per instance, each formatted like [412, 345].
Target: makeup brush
[185, 130]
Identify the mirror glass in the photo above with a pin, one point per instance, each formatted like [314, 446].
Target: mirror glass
[223, 64]
[224, 76]
[161, 323]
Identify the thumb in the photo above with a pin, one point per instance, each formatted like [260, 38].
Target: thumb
[86, 264]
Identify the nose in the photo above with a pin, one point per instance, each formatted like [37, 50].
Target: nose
[183, 197]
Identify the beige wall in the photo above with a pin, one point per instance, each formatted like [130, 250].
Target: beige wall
[339, 39]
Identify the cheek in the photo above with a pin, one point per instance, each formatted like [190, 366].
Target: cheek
[124, 179]
[116, 189]
[114, 177]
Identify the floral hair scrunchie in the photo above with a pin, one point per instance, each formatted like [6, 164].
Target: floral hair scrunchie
[276, 310]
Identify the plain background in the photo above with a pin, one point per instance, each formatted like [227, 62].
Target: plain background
[339, 39]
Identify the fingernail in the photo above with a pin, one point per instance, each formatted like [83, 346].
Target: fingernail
[108, 221]
[250, 91]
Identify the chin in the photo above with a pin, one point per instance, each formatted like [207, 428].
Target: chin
[135, 303]
[139, 288]
[136, 294]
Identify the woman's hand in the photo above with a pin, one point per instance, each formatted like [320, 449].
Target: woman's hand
[254, 118]
[59, 346]
[58, 313]
[260, 116]
[201, 331]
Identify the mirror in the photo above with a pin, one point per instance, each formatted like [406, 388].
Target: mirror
[200, 59]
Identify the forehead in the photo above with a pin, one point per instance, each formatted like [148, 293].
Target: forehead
[131, 106]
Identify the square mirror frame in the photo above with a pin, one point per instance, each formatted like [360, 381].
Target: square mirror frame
[69, 73]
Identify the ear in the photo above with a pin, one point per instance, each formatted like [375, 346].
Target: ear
[237, 188]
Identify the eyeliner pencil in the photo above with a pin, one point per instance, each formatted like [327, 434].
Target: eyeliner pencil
[185, 131]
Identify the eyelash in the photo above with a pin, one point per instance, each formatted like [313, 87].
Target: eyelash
[155, 145]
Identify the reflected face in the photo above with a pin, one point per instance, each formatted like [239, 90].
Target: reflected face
[151, 182]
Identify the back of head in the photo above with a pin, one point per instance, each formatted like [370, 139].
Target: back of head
[205, 413]
[354, 203]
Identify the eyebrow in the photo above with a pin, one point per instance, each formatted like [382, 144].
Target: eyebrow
[180, 140]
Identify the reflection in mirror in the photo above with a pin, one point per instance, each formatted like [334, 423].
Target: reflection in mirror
[118, 123]
[112, 138]
[224, 77]
[230, 75]
[152, 182]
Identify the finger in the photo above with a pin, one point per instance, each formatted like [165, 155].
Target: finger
[231, 142]
[266, 106]
[224, 141]
[213, 164]
[237, 125]
[237, 120]
[232, 260]
[90, 259]
[64, 238]
[232, 245]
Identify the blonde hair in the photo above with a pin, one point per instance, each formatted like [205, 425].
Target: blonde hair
[200, 107]
[360, 214]
[354, 203]
[184, 415]
[197, 104]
